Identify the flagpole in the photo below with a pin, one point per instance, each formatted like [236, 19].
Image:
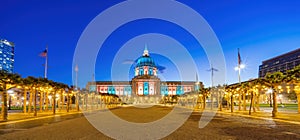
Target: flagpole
[238, 68]
[76, 87]
[46, 63]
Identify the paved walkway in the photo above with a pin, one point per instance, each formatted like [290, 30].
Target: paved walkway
[14, 117]
[289, 116]
[229, 127]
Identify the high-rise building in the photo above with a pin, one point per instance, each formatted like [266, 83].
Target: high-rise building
[280, 63]
[7, 55]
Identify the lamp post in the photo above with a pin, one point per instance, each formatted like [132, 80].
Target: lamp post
[238, 68]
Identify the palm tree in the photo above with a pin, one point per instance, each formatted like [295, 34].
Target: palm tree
[273, 81]
[7, 80]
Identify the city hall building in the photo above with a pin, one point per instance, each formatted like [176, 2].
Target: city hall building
[145, 82]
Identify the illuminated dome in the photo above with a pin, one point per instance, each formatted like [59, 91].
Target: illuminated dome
[145, 61]
[145, 65]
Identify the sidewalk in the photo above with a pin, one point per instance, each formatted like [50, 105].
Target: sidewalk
[18, 116]
[14, 117]
[266, 114]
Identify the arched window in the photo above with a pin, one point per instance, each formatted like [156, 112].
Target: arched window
[150, 71]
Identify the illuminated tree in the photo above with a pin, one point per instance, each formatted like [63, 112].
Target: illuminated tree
[273, 81]
[7, 81]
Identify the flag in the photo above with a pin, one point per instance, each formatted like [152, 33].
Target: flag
[76, 68]
[239, 57]
[44, 53]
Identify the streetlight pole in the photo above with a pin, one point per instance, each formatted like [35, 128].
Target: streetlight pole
[76, 87]
[212, 69]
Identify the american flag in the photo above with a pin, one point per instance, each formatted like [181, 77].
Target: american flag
[44, 53]
[239, 57]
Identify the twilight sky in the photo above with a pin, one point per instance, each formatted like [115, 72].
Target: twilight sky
[261, 29]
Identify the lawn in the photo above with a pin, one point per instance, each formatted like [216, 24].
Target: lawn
[283, 106]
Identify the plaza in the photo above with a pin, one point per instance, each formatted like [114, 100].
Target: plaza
[145, 69]
[223, 126]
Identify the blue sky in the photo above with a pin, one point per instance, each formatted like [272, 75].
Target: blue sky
[261, 29]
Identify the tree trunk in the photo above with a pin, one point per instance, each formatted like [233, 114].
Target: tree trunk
[274, 112]
[204, 101]
[86, 101]
[232, 103]
[47, 101]
[240, 101]
[257, 100]
[298, 99]
[54, 103]
[41, 101]
[4, 105]
[60, 103]
[63, 100]
[30, 102]
[251, 103]
[68, 102]
[9, 102]
[220, 102]
[270, 100]
[77, 101]
[244, 102]
[228, 101]
[34, 106]
[24, 101]
[97, 101]
[211, 101]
